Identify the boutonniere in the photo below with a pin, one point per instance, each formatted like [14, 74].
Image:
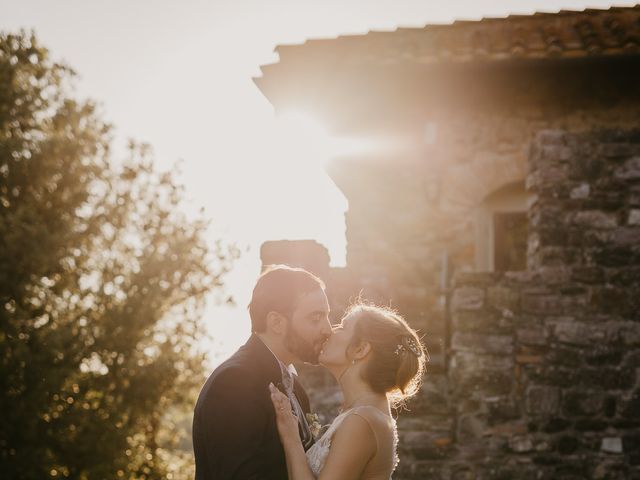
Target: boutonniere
[314, 424]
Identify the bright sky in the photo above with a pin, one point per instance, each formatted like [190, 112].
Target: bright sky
[177, 74]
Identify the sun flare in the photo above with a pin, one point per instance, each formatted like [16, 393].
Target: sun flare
[302, 137]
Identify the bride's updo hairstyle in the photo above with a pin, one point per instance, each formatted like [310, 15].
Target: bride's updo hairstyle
[398, 358]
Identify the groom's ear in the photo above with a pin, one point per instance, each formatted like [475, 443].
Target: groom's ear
[276, 323]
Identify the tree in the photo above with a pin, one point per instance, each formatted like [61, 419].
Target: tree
[102, 283]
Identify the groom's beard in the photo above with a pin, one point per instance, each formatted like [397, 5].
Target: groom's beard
[300, 347]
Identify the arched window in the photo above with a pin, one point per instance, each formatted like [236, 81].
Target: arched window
[501, 229]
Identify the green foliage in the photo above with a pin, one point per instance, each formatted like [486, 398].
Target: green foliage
[102, 282]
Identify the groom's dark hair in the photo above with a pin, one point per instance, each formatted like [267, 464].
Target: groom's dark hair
[278, 290]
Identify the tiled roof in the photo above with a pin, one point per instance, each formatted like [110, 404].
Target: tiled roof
[565, 34]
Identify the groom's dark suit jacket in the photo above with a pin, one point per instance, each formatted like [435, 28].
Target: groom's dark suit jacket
[234, 424]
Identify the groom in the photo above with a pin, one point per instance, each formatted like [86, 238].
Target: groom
[234, 425]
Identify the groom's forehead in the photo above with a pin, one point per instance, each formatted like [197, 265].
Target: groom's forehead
[315, 301]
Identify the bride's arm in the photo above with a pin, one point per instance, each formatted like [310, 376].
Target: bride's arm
[352, 446]
[297, 466]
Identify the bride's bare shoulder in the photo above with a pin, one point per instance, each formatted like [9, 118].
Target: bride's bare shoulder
[352, 447]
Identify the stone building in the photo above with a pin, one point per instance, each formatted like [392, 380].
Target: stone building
[500, 213]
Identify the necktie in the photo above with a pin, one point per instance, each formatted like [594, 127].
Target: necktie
[305, 431]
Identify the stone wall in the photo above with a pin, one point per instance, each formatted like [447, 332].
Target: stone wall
[539, 374]
[543, 377]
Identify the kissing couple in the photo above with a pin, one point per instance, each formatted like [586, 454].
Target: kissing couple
[251, 420]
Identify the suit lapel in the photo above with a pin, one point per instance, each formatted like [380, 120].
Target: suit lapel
[268, 366]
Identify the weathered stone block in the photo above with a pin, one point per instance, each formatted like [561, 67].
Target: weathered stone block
[534, 335]
[424, 445]
[553, 304]
[503, 298]
[307, 254]
[467, 361]
[590, 274]
[567, 444]
[479, 321]
[617, 149]
[508, 429]
[590, 425]
[565, 355]
[551, 236]
[525, 359]
[610, 406]
[520, 278]
[579, 333]
[425, 469]
[555, 256]
[624, 424]
[625, 237]
[611, 470]
[631, 358]
[629, 170]
[555, 425]
[596, 219]
[634, 217]
[471, 427]
[467, 298]
[615, 256]
[554, 275]
[551, 375]
[520, 444]
[608, 378]
[542, 400]
[612, 445]
[616, 300]
[624, 276]
[433, 397]
[631, 441]
[603, 355]
[485, 383]
[581, 403]
[549, 136]
[559, 152]
[581, 191]
[476, 279]
[630, 406]
[634, 196]
[426, 422]
[474, 342]
[501, 409]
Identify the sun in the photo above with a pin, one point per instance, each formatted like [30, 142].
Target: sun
[303, 139]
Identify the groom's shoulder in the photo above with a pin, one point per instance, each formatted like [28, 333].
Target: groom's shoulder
[238, 368]
[231, 376]
[237, 365]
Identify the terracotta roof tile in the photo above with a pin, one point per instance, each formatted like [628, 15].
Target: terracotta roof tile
[570, 34]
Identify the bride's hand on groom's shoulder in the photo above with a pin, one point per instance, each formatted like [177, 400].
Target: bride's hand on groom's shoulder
[286, 420]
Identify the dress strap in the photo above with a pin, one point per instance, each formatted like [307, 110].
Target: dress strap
[359, 412]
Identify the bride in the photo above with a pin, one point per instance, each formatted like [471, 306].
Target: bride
[378, 361]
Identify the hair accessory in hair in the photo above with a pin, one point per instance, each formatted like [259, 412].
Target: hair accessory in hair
[408, 344]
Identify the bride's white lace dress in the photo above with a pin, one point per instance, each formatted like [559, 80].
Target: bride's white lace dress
[319, 451]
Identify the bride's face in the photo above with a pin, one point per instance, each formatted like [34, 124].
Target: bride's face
[334, 352]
